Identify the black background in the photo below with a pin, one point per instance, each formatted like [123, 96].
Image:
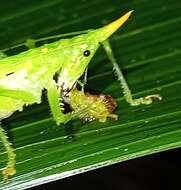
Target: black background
[154, 172]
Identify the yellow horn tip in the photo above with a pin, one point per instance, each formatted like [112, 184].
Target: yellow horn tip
[112, 27]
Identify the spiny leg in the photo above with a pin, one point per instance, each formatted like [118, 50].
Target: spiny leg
[127, 92]
[55, 103]
[10, 167]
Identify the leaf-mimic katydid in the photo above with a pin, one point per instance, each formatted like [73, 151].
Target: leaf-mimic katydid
[24, 76]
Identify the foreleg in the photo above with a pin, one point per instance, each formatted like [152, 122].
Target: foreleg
[56, 104]
[126, 90]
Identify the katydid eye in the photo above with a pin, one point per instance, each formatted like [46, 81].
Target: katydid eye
[87, 53]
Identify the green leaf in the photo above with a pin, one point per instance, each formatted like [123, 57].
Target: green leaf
[148, 48]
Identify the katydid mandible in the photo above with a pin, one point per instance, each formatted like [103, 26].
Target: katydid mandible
[24, 76]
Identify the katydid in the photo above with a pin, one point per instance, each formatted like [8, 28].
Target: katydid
[24, 76]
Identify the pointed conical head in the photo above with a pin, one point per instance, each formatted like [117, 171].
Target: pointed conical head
[76, 57]
[109, 29]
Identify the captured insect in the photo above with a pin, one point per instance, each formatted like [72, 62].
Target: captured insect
[95, 107]
[23, 77]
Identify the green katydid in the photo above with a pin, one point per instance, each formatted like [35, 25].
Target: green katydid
[24, 76]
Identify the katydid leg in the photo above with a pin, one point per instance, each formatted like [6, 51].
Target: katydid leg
[126, 90]
[55, 103]
[84, 82]
[10, 166]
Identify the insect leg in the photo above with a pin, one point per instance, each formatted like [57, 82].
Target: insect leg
[10, 167]
[55, 104]
[126, 90]
[85, 79]
[82, 84]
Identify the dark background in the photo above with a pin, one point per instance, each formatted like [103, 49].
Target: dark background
[154, 172]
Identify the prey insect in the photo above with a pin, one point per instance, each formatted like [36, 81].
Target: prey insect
[24, 76]
[95, 107]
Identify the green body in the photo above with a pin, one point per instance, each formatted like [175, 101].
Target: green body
[32, 71]
[24, 76]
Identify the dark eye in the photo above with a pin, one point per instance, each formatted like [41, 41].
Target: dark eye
[87, 53]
